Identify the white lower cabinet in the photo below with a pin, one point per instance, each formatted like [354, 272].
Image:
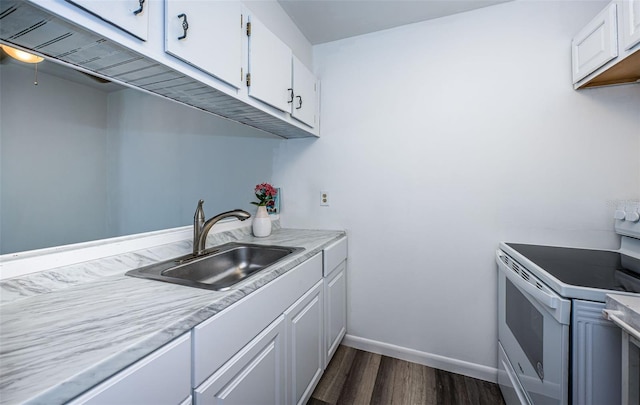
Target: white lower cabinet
[163, 377]
[335, 293]
[305, 344]
[335, 290]
[255, 375]
[269, 348]
[239, 354]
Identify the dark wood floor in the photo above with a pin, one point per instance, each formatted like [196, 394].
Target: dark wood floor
[358, 377]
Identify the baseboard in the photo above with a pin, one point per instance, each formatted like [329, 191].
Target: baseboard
[427, 359]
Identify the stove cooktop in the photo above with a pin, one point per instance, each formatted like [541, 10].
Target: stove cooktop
[584, 268]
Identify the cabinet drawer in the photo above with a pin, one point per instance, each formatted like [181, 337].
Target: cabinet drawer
[217, 339]
[334, 255]
[163, 377]
[254, 376]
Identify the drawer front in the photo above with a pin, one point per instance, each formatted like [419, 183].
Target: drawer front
[253, 376]
[217, 339]
[167, 370]
[334, 255]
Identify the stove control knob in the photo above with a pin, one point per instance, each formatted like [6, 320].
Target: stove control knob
[632, 216]
[620, 214]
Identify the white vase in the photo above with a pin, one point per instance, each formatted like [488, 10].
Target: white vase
[261, 223]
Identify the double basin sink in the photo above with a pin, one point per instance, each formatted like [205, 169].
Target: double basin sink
[218, 268]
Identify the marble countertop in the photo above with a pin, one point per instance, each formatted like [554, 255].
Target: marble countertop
[65, 330]
[627, 309]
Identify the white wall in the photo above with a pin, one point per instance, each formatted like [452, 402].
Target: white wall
[440, 139]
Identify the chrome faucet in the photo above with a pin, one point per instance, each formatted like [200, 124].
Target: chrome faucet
[201, 228]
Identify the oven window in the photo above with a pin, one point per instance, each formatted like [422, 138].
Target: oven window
[527, 325]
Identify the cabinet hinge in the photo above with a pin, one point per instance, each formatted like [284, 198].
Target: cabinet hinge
[249, 28]
[248, 79]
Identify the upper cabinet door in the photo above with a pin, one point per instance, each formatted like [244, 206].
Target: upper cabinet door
[269, 67]
[304, 92]
[207, 35]
[596, 44]
[630, 23]
[129, 15]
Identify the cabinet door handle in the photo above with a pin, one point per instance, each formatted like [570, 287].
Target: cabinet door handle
[290, 96]
[299, 102]
[185, 25]
[138, 11]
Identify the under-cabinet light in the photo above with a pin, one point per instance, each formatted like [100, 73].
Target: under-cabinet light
[22, 56]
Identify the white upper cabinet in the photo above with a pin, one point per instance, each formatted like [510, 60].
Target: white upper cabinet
[207, 35]
[129, 15]
[607, 50]
[303, 105]
[596, 44]
[195, 52]
[630, 23]
[270, 67]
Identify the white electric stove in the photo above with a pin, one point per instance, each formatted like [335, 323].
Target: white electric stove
[555, 347]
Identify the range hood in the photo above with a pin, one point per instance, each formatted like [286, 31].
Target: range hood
[30, 28]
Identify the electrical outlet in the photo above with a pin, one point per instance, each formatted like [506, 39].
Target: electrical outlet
[324, 198]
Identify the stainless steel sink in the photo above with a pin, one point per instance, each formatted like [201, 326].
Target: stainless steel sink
[219, 268]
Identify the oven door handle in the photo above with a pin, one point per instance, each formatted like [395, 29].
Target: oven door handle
[614, 316]
[544, 298]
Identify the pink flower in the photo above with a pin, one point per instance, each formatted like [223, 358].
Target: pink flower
[265, 193]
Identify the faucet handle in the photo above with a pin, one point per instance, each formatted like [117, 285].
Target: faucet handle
[198, 217]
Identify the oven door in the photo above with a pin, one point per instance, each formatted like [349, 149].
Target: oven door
[533, 331]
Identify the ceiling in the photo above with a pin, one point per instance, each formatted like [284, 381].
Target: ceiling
[329, 20]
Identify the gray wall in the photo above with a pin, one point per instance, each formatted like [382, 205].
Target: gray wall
[53, 166]
[162, 159]
[81, 164]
